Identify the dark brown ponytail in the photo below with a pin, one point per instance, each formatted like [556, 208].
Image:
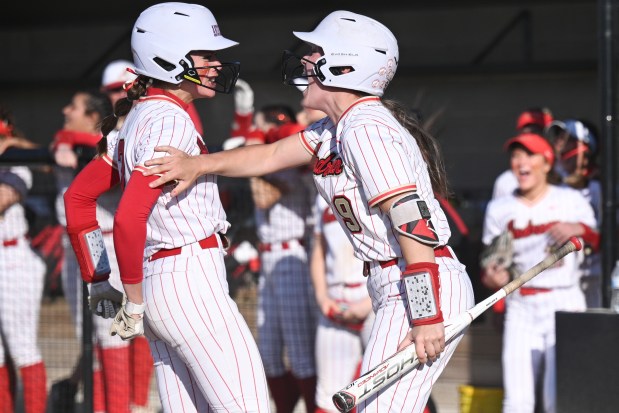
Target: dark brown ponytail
[429, 146]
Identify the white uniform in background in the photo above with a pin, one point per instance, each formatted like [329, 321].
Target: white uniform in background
[529, 333]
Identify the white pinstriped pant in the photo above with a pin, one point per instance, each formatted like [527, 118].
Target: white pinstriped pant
[21, 280]
[205, 356]
[339, 350]
[410, 394]
[529, 343]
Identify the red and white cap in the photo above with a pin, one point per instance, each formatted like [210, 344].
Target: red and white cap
[116, 74]
[534, 143]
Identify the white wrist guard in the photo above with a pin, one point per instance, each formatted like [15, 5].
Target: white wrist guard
[422, 291]
[410, 216]
[133, 308]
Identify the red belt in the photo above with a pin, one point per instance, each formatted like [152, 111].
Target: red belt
[533, 290]
[266, 247]
[442, 251]
[210, 242]
[9, 242]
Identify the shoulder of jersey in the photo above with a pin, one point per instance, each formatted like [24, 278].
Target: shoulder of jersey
[569, 191]
[501, 203]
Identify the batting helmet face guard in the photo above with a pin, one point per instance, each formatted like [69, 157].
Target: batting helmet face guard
[363, 46]
[573, 129]
[165, 34]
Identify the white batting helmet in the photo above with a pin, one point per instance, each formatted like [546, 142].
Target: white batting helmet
[351, 40]
[164, 35]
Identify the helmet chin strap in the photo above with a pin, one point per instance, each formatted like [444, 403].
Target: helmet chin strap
[191, 74]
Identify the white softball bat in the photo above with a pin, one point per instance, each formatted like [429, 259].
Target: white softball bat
[406, 359]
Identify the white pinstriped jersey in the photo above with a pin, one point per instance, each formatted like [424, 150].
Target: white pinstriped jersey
[504, 184]
[197, 213]
[13, 223]
[341, 266]
[529, 224]
[365, 159]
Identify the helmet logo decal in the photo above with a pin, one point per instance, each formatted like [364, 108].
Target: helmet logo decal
[216, 31]
[385, 74]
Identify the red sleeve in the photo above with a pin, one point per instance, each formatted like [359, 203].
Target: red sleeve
[76, 138]
[242, 124]
[80, 199]
[135, 207]
[453, 214]
[591, 237]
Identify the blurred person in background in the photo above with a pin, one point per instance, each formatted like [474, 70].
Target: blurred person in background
[531, 214]
[346, 308]
[74, 145]
[577, 140]
[531, 120]
[287, 313]
[22, 277]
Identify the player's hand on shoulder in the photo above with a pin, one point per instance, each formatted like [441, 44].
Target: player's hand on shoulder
[178, 166]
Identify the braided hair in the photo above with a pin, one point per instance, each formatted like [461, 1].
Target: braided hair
[135, 90]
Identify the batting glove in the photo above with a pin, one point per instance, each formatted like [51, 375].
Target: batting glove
[243, 98]
[125, 325]
[104, 300]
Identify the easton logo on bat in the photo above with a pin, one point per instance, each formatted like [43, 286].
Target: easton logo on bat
[386, 372]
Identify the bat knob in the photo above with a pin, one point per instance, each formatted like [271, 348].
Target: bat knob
[576, 243]
[343, 401]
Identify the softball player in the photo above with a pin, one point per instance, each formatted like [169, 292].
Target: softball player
[531, 214]
[346, 307]
[534, 120]
[378, 171]
[577, 160]
[287, 314]
[115, 76]
[22, 278]
[205, 355]
[82, 117]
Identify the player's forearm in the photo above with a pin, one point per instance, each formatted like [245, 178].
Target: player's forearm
[255, 160]
[134, 293]
[130, 226]
[317, 269]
